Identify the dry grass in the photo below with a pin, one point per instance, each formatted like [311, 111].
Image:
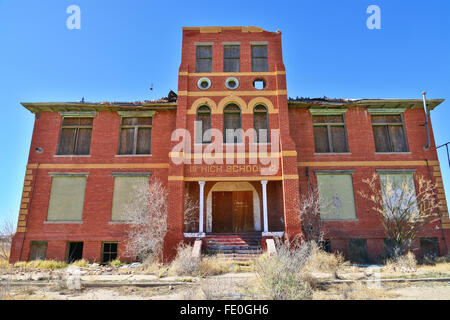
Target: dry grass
[352, 291]
[212, 265]
[150, 266]
[41, 264]
[404, 263]
[321, 261]
[4, 264]
[80, 263]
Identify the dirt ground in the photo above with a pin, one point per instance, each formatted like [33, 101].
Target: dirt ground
[228, 287]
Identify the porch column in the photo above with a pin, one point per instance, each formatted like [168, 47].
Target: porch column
[200, 220]
[264, 193]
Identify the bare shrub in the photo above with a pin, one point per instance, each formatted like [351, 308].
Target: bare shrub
[403, 263]
[309, 210]
[321, 261]
[146, 215]
[281, 276]
[190, 213]
[7, 231]
[402, 210]
[184, 263]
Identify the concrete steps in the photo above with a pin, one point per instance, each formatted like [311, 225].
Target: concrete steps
[235, 246]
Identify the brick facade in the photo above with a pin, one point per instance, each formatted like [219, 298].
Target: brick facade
[296, 155]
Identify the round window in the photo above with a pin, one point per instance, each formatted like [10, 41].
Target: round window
[259, 84]
[204, 83]
[232, 83]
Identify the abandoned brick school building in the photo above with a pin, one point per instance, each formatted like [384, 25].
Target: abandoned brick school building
[85, 158]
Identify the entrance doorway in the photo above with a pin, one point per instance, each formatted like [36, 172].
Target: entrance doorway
[232, 211]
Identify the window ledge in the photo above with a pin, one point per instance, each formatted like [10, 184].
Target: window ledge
[340, 220]
[132, 155]
[71, 155]
[118, 222]
[331, 153]
[63, 222]
[406, 152]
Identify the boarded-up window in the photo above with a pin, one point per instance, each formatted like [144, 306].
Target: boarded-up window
[329, 133]
[429, 247]
[66, 198]
[231, 58]
[75, 136]
[260, 61]
[203, 59]
[400, 190]
[261, 124]
[357, 251]
[109, 251]
[232, 124]
[124, 188]
[38, 250]
[336, 196]
[389, 133]
[203, 125]
[135, 135]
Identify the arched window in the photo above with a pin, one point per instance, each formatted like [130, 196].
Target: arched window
[261, 124]
[232, 127]
[203, 125]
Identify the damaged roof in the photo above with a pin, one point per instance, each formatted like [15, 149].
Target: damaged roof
[170, 103]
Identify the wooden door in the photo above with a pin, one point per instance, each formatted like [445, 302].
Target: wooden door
[222, 220]
[243, 211]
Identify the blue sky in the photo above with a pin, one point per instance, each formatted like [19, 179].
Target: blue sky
[124, 46]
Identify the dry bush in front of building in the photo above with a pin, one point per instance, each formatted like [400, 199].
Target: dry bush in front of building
[403, 209]
[7, 231]
[404, 263]
[184, 263]
[309, 210]
[146, 215]
[321, 261]
[190, 213]
[282, 276]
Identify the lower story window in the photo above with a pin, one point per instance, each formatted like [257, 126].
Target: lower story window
[336, 195]
[38, 250]
[74, 251]
[429, 247]
[109, 252]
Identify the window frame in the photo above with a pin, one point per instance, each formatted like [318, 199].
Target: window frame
[353, 193]
[103, 250]
[386, 125]
[136, 130]
[238, 58]
[328, 125]
[237, 140]
[259, 57]
[77, 131]
[256, 139]
[210, 123]
[197, 57]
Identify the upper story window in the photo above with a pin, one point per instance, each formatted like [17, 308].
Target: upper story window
[135, 135]
[389, 133]
[260, 62]
[75, 137]
[231, 58]
[203, 58]
[329, 133]
[203, 125]
[232, 126]
[261, 124]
